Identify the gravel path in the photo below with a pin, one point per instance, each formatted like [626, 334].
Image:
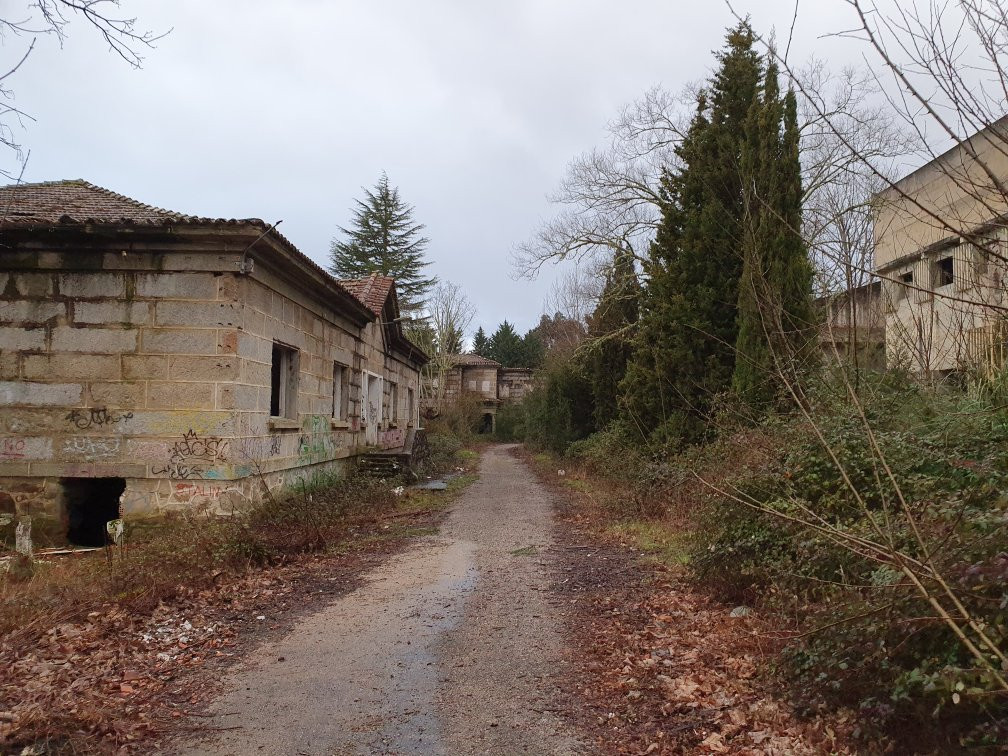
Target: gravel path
[449, 648]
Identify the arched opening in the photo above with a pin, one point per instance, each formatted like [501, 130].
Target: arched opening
[89, 504]
[487, 423]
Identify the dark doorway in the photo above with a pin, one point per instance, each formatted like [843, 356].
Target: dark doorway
[90, 503]
[487, 423]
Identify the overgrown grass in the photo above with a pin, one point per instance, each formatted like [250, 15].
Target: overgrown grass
[660, 540]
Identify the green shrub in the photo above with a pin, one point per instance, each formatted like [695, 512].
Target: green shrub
[510, 424]
[869, 638]
[560, 410]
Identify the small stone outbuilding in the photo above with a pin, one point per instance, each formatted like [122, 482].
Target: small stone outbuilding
[486, 380]
[151, 360]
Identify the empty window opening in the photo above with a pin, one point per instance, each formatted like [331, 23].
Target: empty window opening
[393, 401]
[340, 391]
[410, 405]
[89, 504]
[905, 281]
[283, 381]
[944, 271]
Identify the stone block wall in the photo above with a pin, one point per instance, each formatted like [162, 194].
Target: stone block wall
[480, 381]
[514, 384]
[155, 368]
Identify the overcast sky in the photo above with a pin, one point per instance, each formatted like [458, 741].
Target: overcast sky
[283, 110]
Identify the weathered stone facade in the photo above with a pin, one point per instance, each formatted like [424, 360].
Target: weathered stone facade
[941, 238]
[142, 346]
[853, 326]
[485, 380]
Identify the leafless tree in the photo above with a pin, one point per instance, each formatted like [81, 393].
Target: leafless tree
[53, 18]
[576, 291]
[610, 198]
[449, 314]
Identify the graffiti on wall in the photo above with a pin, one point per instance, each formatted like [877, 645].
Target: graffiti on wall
[260, 447]
[95, 417]
[91, 448]
[317, 442]
[12, 448]
[213, 497]
[15, 448]
[392, 438]
[194, 457]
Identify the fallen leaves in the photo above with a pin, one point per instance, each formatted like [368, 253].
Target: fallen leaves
[657, 667]
[118, 678]
[675, 674]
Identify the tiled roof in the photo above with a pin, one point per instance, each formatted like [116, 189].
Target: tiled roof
[371, 291]
[473, 360]
[77, 201]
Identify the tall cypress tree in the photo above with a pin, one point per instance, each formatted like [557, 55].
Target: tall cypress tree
[609, 329]
[684, 353]
[796, 271]
[774, 310]
[383, 238]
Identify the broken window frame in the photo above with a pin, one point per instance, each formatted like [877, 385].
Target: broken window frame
[284, 373]
[944, 271]
[393, 402]
[341, 392]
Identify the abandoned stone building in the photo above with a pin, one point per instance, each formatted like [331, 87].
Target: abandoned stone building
[941, 238]
[853, 326]
[486, 380]
[151, 360]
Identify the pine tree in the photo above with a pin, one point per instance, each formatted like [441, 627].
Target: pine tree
[480, 342]
[609, 329]
[776, 283]
[384, 238]
[684, 349]
[506, 346]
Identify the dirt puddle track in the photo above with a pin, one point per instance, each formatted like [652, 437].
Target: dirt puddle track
[449, 648]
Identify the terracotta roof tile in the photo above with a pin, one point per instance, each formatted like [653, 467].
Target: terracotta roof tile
[371, 291]
[78, 201]
[473, 360]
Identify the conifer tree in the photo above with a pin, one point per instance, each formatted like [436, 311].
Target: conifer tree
[774, 311]
[533, 349]
[480, 342]
[383, 238]
[506, 346]
[684, 349]
[609, 329]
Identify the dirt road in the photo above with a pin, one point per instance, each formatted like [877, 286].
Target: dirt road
[449, 648]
